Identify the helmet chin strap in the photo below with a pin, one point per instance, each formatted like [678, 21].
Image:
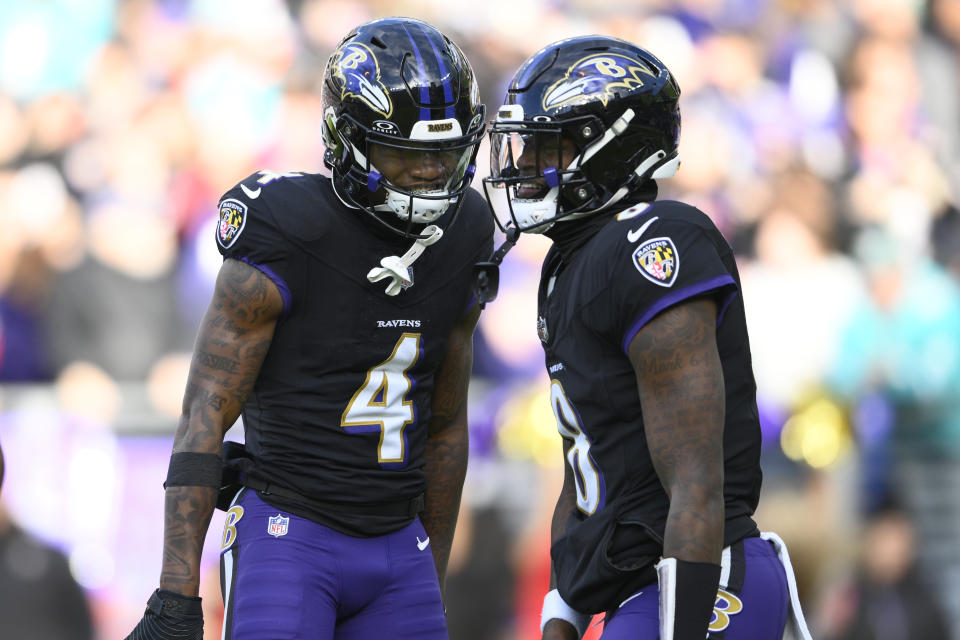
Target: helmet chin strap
[398, 268]
[665, 170]
[618, 127]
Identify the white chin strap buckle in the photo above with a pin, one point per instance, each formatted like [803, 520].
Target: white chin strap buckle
[398, 268]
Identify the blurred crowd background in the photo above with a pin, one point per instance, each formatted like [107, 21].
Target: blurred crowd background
[822, 136]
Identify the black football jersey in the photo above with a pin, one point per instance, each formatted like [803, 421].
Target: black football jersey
[646, 259]
[340, 409]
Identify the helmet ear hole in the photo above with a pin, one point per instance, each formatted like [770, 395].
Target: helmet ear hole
[579, 193]
[585, 192]
[588, 132]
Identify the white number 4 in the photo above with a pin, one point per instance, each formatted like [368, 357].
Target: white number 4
[380, 404]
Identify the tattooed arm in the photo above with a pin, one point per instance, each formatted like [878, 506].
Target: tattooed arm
[233, 339]
[680, 380]
[447, 443]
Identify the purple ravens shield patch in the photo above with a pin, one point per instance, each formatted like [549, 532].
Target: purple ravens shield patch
[233, 215]
[658, 261]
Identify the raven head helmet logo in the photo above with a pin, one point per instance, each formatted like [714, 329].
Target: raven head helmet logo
[597, 77]
[359, 72]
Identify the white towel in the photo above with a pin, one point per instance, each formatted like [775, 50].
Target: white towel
[796, 628]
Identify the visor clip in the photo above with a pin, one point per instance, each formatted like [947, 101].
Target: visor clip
[550, 175]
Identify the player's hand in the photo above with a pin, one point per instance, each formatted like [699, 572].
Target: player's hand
[170, 616]
[557, 629]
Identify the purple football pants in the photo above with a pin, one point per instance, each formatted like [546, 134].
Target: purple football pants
[752, 602]
[284, 577]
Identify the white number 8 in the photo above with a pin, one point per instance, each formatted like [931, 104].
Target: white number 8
[578, 457]
[609, 67]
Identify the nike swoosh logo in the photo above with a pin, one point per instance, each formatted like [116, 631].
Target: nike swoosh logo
[422, 544]
[253, 195]
[633, 236]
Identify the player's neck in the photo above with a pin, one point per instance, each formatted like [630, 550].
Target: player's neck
[385, 234]
[570, 235]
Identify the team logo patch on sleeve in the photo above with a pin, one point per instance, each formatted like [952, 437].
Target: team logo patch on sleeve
[658, 261]
[233, 215]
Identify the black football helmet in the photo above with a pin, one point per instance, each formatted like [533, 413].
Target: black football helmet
[399, 88]
[585, 122]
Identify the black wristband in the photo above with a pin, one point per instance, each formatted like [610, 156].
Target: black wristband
[170, 616]
[688, 593]
[175, 604]
[194, 469]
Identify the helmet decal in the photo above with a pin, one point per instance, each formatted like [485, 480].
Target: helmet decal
[387, 127]
[358, 70]
[476, 122]
[596, 77]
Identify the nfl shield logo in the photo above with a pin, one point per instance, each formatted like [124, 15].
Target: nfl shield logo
[658, 261]
[277, 526]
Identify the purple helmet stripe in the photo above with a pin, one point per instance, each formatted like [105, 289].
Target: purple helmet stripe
[447, 91]
[424, 88]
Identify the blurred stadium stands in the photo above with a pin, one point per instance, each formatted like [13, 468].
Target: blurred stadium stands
[823, 137]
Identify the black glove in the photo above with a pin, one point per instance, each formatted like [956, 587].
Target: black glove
[170, 616]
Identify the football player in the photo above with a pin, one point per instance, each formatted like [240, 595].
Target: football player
[642, 321]
[341, 331]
